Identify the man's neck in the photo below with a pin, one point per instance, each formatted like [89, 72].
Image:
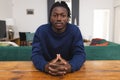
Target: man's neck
[59, 30]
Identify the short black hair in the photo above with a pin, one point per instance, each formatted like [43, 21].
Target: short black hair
[60, 4]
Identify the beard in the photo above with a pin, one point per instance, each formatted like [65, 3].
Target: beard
[59, 27]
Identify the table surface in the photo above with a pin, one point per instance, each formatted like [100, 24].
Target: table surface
[91, 70]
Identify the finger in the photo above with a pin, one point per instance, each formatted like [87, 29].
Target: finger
[62, 68]
[60, 63]
[58, 55]
[63, 62]
[60, 73]
[61, 59]
[53, 70]
[54, 60]
[54, 74]
[53, 65]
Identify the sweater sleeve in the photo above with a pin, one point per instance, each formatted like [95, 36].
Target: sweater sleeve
[78, 52]
[37, 54]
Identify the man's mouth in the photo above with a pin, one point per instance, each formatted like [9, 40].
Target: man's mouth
[58, 23]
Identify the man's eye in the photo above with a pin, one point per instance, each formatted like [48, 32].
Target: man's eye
[63, 15]
[54, 15]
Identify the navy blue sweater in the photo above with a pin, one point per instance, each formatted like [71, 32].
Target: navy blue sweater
[47, 43]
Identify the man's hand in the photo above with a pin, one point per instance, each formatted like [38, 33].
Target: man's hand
[58, 66]
[51, 66]
[64, 63]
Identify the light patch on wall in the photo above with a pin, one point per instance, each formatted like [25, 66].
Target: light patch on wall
[101, 23]
[29, 11]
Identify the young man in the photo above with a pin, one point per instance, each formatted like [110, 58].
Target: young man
[57, 47]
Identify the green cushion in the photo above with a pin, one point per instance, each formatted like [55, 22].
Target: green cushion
[111, 52]
[15, 53]
[23, 53]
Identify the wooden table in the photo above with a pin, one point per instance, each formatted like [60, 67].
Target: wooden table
[91, 70]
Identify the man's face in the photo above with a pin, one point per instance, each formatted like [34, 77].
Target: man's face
[59, 18]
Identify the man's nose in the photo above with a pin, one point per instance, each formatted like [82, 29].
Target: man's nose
[58, 17]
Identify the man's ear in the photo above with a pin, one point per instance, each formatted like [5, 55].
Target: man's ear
[68, 19]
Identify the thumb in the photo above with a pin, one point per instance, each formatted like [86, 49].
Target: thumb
[54, 60]
[61, 59]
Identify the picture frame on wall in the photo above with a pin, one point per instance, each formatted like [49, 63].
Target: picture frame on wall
[30, 11]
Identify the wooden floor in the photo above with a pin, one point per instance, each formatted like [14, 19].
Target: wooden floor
[91, 70]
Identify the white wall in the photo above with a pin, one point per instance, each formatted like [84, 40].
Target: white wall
[5, 9]
[116, 3]
[86, 15]
[116, 21]
[29, 23]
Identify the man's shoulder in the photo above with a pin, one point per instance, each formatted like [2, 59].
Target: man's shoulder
[73, 27]
[44, 26]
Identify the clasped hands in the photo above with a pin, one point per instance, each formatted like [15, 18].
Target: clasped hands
[58, 66]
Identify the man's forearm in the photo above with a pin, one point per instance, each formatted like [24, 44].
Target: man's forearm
[77, 61]
[39, 62]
